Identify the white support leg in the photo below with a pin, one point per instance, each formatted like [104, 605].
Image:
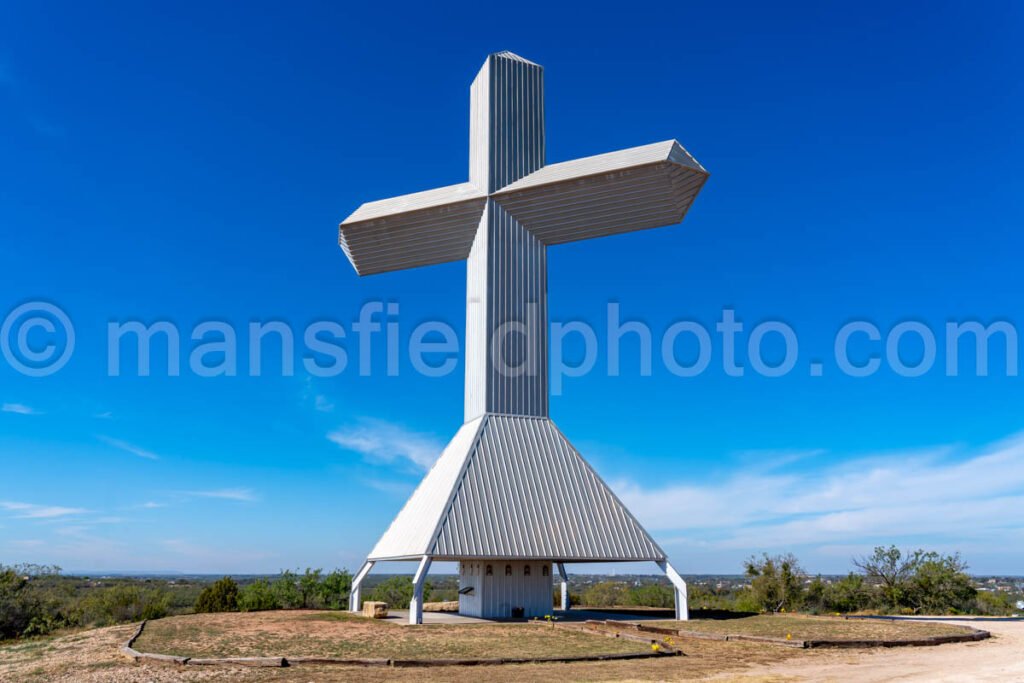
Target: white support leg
[565, 587]
[682, 608]
[355, 601]
[416, 604]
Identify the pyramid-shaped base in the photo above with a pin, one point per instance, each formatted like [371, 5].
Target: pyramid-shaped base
[513, 488]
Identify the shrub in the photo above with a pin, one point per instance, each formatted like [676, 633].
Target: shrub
[309, 587]
[286, 590]
[940, 585]
[776, 582]
[123, 602]
[847, 595]
[651, 595]
[605, 594]
[257, 596]
[335, 588]
[220, 596]
[397, 592]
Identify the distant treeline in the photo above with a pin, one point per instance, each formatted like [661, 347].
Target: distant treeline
[37, 600]
[889, 581]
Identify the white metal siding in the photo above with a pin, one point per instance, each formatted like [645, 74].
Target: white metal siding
[412, 531]
[495, 596]
[506, 320]
[635, 189]
[527, 493]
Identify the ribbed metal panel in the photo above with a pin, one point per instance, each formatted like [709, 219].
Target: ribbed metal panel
[527, 493]
[635, 189]
[506, 331]
[412, 230]
[412, 532]
[508, 584]
[506, 121]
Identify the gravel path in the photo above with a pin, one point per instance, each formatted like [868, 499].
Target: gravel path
[998, 659]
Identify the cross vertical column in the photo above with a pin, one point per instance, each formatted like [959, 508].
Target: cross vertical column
[506, 288]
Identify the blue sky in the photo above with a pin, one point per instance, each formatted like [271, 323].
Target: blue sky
[192, 163]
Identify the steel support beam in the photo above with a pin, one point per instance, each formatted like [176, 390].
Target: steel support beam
[416, 605]
[565, 587]
[682, 608]
[355, 596]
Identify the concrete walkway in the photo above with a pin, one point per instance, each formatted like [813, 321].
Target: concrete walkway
[402, 616]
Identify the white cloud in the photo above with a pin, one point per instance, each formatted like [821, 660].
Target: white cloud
[242, 495]
[32, 511]
[941, 492]
[386, 442]
[129, 448]
[323, 404]
[18, 409]
[151, 505]
[397, 488]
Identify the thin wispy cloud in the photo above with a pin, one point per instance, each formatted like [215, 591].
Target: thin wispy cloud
[18, 409]
[33, 511]
[397, 488]
[152, 505]
[323, 404]
[386, 442]
[939, 492]
[129, 448]
[242, 495]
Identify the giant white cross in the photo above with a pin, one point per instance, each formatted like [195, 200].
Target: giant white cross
[502, 221]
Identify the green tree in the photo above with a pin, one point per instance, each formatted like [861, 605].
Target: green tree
[335, 588]
[220, 596]
[776, 582]
[33, 601]
[651, 595]
[397, 592]
[605, 594]
[286, 589]
[124, 602]
[940, 585]
[849, 594]
[309, 587]
[995, 604]
[257, 596]
[891, 570]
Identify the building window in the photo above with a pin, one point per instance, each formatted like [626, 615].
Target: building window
[490, 570]
[544, 571]
[526, 570]
[508, 570]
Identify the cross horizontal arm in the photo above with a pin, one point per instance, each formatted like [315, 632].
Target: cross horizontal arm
[632, 189]
[419, 229]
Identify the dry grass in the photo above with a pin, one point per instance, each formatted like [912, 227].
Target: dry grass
[91, 657]
[802, 627]
[340, 635]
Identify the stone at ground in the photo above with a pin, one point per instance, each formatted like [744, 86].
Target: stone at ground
[447, 606]
[375, 610]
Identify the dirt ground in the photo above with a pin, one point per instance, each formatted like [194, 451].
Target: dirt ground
[806, 627]
[301, 633]
[1000, 658]
[92, 657]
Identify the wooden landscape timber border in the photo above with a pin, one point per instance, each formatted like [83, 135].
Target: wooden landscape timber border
[972, 636]
[130, 652]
